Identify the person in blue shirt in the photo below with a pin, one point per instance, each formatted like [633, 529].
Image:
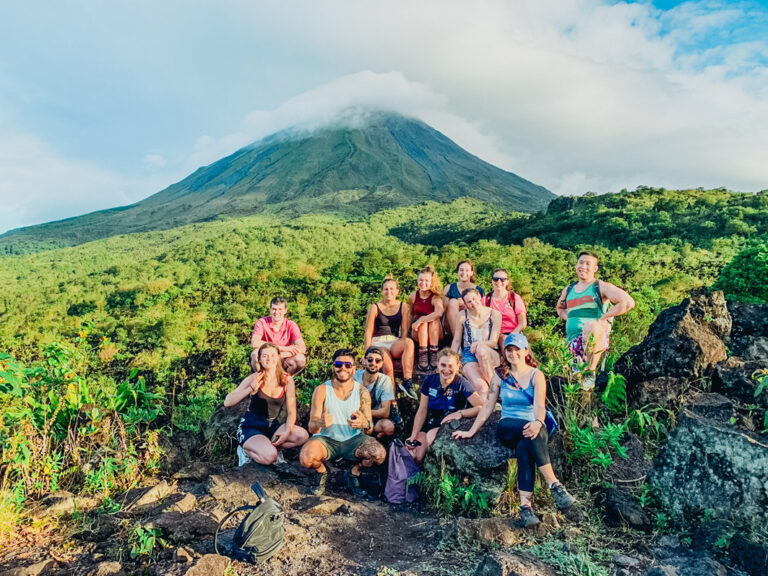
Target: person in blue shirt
[522, 389]
[379, 386]
[445, 396]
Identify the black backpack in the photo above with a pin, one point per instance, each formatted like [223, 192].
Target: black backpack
[260, 535]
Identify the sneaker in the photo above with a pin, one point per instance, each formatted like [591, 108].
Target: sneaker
[563, 500]
[318, 484]
[588, 382]
[354, 486]
[395, 416]
[242, 457]
[528, 517]
[406, 387]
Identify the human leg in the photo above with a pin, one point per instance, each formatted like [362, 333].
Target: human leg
[488, 359]
[259, 449]
[474, 375]
[594, 336]
[294, 364]
[419, 452]
[510, 433]
[313, 455]
[384, 427]
[296, 438]
[404, 349]
[369, 453]
[451, 313]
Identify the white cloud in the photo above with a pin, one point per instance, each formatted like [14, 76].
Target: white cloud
[154, 160]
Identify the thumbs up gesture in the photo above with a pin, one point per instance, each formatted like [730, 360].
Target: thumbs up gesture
[327, 417]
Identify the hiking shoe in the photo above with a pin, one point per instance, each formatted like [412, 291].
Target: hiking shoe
[588, 381]
[242, 457]
[433, 350]
[563, 500]
[354, 486]
[280, 458]
[395, 416]
[528, 517]
[406, 387]
[318, 484]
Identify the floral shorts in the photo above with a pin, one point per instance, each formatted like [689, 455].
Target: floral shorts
[577, 348]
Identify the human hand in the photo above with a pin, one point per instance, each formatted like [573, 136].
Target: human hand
[358, 420]
[532, 429]
[327, 418]
[256, 381]
[451, 416]
[462, 434]
[473, 347]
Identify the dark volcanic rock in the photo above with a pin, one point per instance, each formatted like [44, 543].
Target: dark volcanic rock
[733, 378]
[223, 424]
[622, 508]
[711, 464]
[685, 341]
[633, 469]
[180, 448]
[710, 406]
[748, 321]
[662, 391]
[752, 556]
[503, 564]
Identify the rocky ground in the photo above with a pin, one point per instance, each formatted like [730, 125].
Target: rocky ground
[697, 361]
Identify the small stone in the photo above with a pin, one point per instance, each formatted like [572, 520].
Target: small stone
[108, 569]
[146, 498]
[38, 569]
[625, 561]
[662, 571]
[193, 471]
[209, 565]
[187, 503]
[184, 554]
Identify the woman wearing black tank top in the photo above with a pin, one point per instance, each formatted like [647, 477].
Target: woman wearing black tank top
[387, 326]
[269, 424]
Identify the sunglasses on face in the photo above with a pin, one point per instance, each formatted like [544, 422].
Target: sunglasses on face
[374, 359]
[340, 364]
[499, 279]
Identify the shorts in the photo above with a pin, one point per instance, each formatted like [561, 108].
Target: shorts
[576, 346]
[467, 357]
[251, 425]
[383, 341]
[433, 420]
[342, 448]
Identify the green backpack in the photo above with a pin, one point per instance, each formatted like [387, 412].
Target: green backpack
[260, 535]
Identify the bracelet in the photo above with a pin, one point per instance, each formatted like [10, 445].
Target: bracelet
[540, 422]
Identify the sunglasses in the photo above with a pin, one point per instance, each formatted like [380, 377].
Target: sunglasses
[499, 279]
[340, 364]
[374, 359]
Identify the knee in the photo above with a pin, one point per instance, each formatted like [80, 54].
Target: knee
[380, 455]
[270, 456]
[308, 457]
[409, 345]
[294, 364]
[386, 427]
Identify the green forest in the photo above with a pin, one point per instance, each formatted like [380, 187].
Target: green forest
[145, 333]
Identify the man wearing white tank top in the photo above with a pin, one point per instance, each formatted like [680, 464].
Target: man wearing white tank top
[340, 421]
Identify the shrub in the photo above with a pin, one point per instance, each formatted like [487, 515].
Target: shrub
[745, 277]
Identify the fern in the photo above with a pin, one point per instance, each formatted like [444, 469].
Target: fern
[615, 395]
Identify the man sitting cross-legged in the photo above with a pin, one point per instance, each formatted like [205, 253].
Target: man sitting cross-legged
[379, 385]
[340, 419]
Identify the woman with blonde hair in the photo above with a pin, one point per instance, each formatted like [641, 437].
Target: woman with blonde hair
[427, 310]
[269, 424]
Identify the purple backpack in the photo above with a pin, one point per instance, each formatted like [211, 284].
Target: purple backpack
[401, 469]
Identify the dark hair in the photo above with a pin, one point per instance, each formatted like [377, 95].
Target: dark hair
[503, 369]
[467, 291]
[390, 278]
[374, 350]
[345, 352]
[589, 253]
[471, 265]
[278, 300]
[501, 270]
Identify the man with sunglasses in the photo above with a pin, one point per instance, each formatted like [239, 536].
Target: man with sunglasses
[379, 385]
[340, 419]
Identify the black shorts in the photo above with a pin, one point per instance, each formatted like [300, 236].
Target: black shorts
[434, 417]
[251, 425]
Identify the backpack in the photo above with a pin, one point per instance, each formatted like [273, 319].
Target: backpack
[510, 297]
[401, 469]
[260, 535]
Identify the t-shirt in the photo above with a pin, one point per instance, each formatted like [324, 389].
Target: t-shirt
[508, 314]
[454, 397]
[381, 390]
[288, 333]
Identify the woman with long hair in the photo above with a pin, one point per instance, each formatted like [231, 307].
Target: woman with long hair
[269, 425]
[522, 388]
[387, 327]
[427, 309]
[475, 337]
[454, 304]
[514, 316]
[445, 396]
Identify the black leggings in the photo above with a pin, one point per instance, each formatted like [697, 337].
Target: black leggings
[530, 453]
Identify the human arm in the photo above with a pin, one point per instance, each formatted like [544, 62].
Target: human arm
[522, 315]
[370, 320]
[420, 417]
[621, 300]
[385, 395]
[297, 345]
[258, 334]
[532, 429]
[290, 404]
[436, 314]
[405, 326]
[475, 400]
[249, 385]
[318, 415]
[488, 406]
[361, 418]
[562, 308]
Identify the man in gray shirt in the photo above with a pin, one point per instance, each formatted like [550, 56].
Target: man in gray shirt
[382, 392]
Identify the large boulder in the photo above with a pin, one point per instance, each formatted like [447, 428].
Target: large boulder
[748, 321]
[684, 343]
[710, 464]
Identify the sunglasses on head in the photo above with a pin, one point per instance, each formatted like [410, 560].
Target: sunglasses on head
[499, 278]
[376, 359]
[341, 364]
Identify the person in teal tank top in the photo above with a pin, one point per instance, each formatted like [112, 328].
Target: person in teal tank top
[588, 307]
[340, 419]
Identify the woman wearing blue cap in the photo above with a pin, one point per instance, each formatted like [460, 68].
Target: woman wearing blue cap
[522, 388]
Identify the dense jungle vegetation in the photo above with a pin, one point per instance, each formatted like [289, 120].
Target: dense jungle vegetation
[106, 343]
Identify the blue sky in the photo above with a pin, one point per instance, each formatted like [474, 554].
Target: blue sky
[105, 103]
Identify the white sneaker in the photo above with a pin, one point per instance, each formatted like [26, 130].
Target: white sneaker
[280, 458]
[588, 382]
[242, 457]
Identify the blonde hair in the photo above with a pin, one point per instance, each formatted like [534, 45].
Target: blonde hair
[435, 286]
[450, 352]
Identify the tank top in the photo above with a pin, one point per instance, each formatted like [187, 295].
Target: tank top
[269, 408]
[582, 307]
[516, 403]
[422, 306]
[340, 410]
[388, 325]
[455, 293]
[472, 334]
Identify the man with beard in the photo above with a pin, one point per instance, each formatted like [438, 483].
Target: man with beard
[340, 419]
[383, 408]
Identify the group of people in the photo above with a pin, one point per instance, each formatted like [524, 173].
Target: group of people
[489, 361]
